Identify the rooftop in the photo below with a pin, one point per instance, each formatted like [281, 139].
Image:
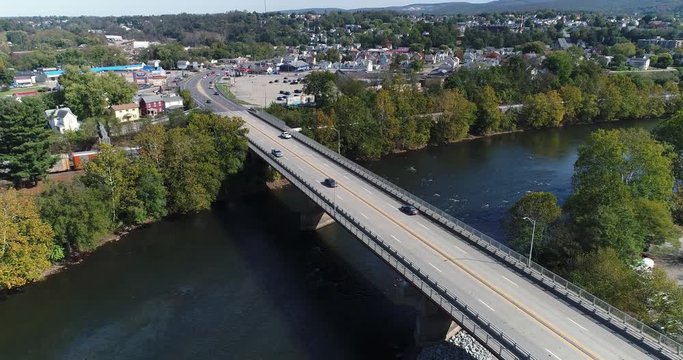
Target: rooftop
[125, 106]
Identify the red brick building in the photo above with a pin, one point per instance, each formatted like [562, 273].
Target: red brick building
[151, 105]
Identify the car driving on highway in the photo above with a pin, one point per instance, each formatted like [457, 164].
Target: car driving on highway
[277, 153]
[409, 210]
[286, 135]
[330, 183]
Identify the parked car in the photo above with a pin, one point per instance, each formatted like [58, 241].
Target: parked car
[208, 101]
[297, 91]
[409, 210]
[276, 80]
[216, 93]
[288, 93]
[270, 82]
[277, 153]
[330, 183]
[286, 135]
[279, 98]
[282, 91]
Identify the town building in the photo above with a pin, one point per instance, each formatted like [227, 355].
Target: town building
[173, 102]
[62, 120]
[151, 105]
[641, 63]
[126, 112]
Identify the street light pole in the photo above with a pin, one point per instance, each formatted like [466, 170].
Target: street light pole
[533, 232]
[338, 140]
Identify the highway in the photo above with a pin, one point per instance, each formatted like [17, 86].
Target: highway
[537, 320]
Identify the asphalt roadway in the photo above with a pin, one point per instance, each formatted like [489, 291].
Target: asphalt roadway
[537, 320]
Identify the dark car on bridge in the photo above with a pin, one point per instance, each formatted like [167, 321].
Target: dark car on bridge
[409, 210]
[330, 183]
[216, 93]
[276, 152]
[208, 101]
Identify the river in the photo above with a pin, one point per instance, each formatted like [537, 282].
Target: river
[241, 282]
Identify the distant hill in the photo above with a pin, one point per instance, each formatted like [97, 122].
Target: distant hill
[607, 6]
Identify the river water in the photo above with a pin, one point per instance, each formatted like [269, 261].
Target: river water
[241, 282]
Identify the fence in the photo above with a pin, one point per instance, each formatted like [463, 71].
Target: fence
[630, 325]
[493, 338]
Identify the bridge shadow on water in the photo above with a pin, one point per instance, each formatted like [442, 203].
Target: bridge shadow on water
[336, 299]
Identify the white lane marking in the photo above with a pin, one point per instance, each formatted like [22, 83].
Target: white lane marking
[346, 177]
[395, 238]
[459, 249]
[365, 216]
[551, 353]
[368, 191]
[423, 225]
[577, 324]
[386, 202]
[286, 158]
[325, 164]
[437, 269]
[487, 305]
[339, 197]
[510, 281]
[300, 168]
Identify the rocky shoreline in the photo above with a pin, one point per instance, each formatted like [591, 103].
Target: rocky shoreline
[462, 346]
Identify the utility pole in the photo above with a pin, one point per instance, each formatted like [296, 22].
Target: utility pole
[533, 232]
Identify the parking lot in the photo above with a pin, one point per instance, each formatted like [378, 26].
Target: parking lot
[262, 90]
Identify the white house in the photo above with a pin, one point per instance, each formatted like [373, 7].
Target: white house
[641, 63]
[173, 102]
[62, 120]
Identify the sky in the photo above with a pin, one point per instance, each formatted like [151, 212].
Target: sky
[147, 7]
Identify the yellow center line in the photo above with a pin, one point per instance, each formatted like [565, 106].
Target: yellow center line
[518, 304]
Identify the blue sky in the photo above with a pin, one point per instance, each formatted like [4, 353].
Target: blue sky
[146, 7]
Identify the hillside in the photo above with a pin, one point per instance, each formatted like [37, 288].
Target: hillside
[607, 6]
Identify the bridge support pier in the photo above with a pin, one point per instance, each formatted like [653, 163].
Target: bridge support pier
[432, 324]
[313, 217]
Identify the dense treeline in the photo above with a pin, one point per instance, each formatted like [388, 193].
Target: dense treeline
[179, 170]
[621, 205]
[563, 89]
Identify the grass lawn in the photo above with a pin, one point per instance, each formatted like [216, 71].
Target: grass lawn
[17, 90]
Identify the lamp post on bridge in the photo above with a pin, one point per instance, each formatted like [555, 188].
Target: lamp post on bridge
[533, 232]
[338, 139]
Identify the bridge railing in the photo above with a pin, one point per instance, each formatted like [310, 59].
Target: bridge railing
[627, 323]
[497, 341]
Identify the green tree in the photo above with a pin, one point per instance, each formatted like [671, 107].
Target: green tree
[229, 135]
[647, 295]
[116, 89]
[385, 112]
[622, 183]
[540, 207]
[113, 174]
[458, 115]
[489, 116]
[625, 49]
[664, 61]
[6, 77]
[192, 171]
[77, 215]
[188, 101]
[321, 84]
[24, 140]
[561, 64]
[544, 110]
[25, 240]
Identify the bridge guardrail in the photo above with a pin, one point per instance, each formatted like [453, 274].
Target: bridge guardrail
[489, 335]
[639, 330]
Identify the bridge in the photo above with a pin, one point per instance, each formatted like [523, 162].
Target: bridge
[515, 310]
